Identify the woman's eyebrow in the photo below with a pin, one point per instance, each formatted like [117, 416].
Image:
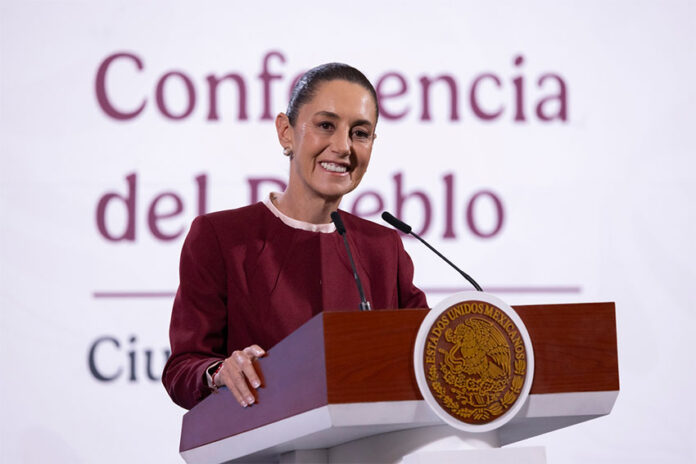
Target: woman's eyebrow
[327, 114]
[332, 115]
[363, 122]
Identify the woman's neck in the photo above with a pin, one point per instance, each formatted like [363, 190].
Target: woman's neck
[307, 208]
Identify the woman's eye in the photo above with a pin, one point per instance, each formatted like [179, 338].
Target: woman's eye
[361, 134]
[326, 125]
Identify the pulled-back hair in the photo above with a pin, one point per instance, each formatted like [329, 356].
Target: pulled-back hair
[306, 87]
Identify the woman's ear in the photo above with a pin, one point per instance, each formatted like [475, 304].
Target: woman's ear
[284, 130]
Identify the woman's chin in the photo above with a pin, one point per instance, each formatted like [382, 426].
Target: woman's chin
[334, 194]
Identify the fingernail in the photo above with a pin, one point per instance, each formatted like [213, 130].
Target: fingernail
[250, 400]
[256, 384]
[244, 405]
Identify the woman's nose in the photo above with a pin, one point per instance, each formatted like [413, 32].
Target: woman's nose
[341, 142]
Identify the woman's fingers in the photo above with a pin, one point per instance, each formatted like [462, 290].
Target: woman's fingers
[233, 377]
[235, 392]
[238, 373]
[247, 366]
[244, 372]
[255, 351]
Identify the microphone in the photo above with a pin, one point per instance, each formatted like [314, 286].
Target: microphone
[405, 228]
[341, 229]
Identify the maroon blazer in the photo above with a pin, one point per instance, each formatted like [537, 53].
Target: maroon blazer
[248, 278]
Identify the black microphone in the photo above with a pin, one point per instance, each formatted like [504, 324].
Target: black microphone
[341, 229]
[405, 228]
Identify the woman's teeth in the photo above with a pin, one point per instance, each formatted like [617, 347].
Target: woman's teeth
[333, 167]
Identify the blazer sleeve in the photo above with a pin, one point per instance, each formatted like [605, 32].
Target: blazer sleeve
[198, 328]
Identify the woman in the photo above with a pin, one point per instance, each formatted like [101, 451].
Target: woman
[251, 276]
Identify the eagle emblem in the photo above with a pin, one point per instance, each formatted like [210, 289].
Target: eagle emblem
[475, 370]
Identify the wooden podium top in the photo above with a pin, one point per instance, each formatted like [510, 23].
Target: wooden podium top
[574, 350]
[367, 357]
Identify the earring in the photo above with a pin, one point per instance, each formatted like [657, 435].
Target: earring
[287, 151]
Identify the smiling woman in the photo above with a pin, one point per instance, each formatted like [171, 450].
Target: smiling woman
[329, 146]
[251, 276]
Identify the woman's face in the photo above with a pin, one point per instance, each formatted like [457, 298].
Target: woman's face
[331, 140]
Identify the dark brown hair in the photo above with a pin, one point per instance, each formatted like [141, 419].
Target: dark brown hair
[306, 87]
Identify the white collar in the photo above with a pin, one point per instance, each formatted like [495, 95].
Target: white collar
[294, 223]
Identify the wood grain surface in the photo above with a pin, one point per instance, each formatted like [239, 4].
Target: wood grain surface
[367, 360]
[574, 347]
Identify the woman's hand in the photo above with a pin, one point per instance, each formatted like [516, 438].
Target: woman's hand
[238, 372]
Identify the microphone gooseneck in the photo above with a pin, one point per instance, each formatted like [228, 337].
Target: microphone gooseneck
[341, 229]
[405, 228]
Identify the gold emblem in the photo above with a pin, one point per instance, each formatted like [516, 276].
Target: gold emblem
[475, 361]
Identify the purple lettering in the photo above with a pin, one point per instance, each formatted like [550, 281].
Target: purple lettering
[425, 85]
[213, 82]
[364, 213]
[392, 90]
[100, 88]
[473, 98]
[255, 182]
[129, 202]
[383, 95]
[561, 97]
[401, 199]
[498, 205]
[519, 91]
[449, 206]
[267, 77]
[202, 183]
[153, 216]
[190, 92]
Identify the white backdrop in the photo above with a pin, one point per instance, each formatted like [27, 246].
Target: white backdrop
[595, 204]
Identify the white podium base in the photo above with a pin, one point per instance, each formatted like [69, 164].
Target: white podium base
[527, 455]
[388, 431]
[435, 444]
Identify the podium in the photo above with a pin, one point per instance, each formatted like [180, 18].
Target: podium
[343, 384]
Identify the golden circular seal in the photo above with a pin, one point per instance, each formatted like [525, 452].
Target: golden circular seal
[475, 360]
